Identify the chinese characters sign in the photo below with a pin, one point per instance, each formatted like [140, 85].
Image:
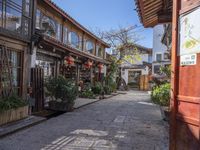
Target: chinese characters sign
[189, 59]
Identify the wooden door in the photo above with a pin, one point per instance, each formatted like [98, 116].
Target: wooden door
[185, 93]
[37, 82]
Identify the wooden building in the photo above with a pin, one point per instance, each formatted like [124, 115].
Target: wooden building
[42, 41]
[185, 81]
[15, 36]
[63, 46]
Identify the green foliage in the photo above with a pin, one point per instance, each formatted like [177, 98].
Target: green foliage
[161, 94]
[87, 94]
[166, 70]
[61, 88]
[107, 89]
[97, 88]
[11, 102]
[111, 78]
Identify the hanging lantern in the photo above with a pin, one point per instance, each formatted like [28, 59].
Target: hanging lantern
[100, 66]
[69, 60]
[88, 64]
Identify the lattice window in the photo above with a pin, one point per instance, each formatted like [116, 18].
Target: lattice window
[10, 71]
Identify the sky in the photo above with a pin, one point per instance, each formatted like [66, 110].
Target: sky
[106, 15]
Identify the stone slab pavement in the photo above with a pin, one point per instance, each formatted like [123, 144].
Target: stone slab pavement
[123, 122]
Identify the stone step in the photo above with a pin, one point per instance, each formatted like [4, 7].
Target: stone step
[19, 125]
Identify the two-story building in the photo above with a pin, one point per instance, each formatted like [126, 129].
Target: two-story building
[39, 40]
[161, 53]
[131, 72]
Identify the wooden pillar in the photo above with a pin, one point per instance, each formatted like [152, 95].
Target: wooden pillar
[83, 41]
[174, 75]
[78, 73]
[91, 75]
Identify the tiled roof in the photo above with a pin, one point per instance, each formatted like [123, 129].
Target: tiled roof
[150, 10]
[67, 16]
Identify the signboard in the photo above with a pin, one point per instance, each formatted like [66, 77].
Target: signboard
[188, 59]
[189, 33]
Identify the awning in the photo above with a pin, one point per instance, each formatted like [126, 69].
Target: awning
[153, 12]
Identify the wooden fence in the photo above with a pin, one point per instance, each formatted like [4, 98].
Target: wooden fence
[144, 82]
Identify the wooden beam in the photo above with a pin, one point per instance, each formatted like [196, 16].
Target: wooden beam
[164, 18]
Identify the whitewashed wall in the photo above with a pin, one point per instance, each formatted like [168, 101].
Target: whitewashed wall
[158, 47]
[125, 73]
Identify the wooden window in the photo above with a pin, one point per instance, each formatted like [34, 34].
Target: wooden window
[90, 47]
[65, 35]
[11, 68]
[74, 39]
[15, 15]
[50, 26]
[99, 51]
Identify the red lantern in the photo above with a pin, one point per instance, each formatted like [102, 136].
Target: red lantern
[88, 64]
[100, 66]
[69, 60]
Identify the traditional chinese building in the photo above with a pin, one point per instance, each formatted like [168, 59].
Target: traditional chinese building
[39, 40]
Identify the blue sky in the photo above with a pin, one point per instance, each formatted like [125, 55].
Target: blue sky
[106, 15]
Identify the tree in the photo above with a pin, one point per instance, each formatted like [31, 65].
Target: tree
[123, 43]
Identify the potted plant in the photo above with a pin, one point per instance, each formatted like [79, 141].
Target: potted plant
[87, 92]
[63, 93]
[12, 108]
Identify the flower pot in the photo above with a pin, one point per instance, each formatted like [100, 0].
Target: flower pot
[13, 115]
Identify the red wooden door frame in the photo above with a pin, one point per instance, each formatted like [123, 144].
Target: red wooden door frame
[184, 105]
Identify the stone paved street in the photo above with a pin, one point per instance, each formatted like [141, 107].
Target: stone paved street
[124, 122]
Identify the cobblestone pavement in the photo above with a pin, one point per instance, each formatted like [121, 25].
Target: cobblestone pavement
[124, 122]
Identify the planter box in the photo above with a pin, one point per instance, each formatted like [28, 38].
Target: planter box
[13, 115]
[60, 106]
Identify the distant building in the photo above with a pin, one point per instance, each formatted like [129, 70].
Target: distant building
[161, 53]
[131, 72]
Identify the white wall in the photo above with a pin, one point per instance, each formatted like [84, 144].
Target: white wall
[143, 58]
[125, 73]
[158, 47]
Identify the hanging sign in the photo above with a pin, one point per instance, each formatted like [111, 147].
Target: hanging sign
[190, 59]
[189, 33]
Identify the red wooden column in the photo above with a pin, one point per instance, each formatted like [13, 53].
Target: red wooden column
[185, 93]
[174, 77]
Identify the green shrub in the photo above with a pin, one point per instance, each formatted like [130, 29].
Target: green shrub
[87, 93]
[107, 89]
[11, 102]
[98, 88]
[161, 94]
[61, 88]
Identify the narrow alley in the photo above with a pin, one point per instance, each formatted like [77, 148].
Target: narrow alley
[125, 122]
